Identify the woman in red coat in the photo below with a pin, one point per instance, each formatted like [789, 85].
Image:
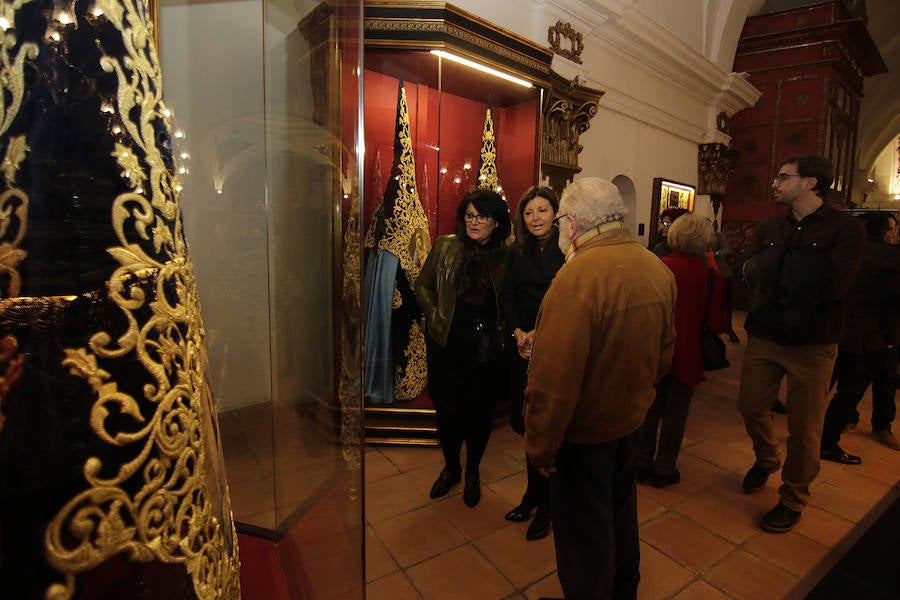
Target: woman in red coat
[690, 236]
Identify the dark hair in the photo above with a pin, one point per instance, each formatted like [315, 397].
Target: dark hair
[673, 213]
[526, 243]
[813, 165]
[486, 202]
[877, 222]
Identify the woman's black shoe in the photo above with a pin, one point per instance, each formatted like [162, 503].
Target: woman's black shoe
[540, 527]
[521, 513]
[443, 483]
[472, 491]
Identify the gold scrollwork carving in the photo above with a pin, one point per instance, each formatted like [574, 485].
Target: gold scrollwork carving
[560, 31]
[167, 501]
[715, 167]
[566, 115]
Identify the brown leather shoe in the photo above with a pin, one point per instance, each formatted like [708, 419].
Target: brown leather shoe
[887, 438]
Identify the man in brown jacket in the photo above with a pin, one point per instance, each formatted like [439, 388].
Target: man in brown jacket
[605, 335]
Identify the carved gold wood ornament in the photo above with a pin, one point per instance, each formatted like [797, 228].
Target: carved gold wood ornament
[564, 31]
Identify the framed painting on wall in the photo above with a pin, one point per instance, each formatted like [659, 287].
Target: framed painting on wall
[668, 194]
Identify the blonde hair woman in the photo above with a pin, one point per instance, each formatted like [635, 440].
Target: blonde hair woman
[690, 236]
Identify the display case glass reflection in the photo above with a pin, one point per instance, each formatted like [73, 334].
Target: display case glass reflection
[451, 110]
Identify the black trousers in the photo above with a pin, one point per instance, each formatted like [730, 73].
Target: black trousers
[538, 491]
[854, 373]
[668, 414]
[595, 525]
[463, 392]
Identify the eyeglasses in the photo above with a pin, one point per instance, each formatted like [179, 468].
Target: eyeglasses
[782, 177]
[666, 223]
[555, 222]
[480, 219]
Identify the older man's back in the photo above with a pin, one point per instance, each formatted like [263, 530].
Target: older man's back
[605, 335]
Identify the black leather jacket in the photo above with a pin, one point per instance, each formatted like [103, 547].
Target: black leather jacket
[436, 284]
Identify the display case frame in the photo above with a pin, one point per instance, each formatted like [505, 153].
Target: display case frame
[399, 40]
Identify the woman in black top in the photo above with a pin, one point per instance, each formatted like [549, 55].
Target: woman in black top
[459, 291]
[532, 265]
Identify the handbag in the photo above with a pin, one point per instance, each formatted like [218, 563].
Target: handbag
[712, 348]
[491, 341]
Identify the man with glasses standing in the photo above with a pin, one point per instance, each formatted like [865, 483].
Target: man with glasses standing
[605, 335]
[800, 267]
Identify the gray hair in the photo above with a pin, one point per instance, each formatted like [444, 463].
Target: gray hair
[592, 201]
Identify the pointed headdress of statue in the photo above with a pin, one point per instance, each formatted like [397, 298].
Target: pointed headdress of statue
[487, 164]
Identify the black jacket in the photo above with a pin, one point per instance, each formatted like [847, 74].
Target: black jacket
[873, 302]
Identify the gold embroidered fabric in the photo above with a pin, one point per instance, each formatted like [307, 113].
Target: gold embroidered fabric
[163, 497]
[399, 224]
[411, 376]
[487, 169]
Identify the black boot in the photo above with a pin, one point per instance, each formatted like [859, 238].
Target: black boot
[472, 491]
[443, 483]
[540, 526]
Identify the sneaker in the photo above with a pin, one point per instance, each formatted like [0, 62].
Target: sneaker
[756, 477]
[887, 438]
[780, 519]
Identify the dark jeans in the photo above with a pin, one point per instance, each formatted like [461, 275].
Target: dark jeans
[593, 503]
[668, 414]
[854, 373]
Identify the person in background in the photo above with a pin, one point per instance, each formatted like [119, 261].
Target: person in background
[868, 353]
[459, 291]
[801, 265]
[533, 263]
[689, 238]
[605, 335]
[666, 219]
[721, 251]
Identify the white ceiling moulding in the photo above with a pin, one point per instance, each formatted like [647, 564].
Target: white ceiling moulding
[659, 79]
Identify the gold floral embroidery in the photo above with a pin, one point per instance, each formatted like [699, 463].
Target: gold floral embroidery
[167, 501]
[487, 169]
[410, 380]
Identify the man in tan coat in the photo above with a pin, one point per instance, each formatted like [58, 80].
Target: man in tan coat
[605, 335]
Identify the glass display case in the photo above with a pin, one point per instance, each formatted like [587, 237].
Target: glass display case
[471, 96]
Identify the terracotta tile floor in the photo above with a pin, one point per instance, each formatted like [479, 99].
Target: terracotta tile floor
[700, 538]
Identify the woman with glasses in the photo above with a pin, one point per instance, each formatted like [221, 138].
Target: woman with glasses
[459, 291]
[533, 263]
[666, 219]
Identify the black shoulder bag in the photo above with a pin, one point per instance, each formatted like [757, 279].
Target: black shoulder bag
[712, 348]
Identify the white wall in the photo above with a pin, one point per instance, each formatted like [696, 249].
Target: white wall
[664, 66]
[211, 61]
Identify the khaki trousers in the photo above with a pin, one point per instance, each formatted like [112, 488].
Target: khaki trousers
[808, 370]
